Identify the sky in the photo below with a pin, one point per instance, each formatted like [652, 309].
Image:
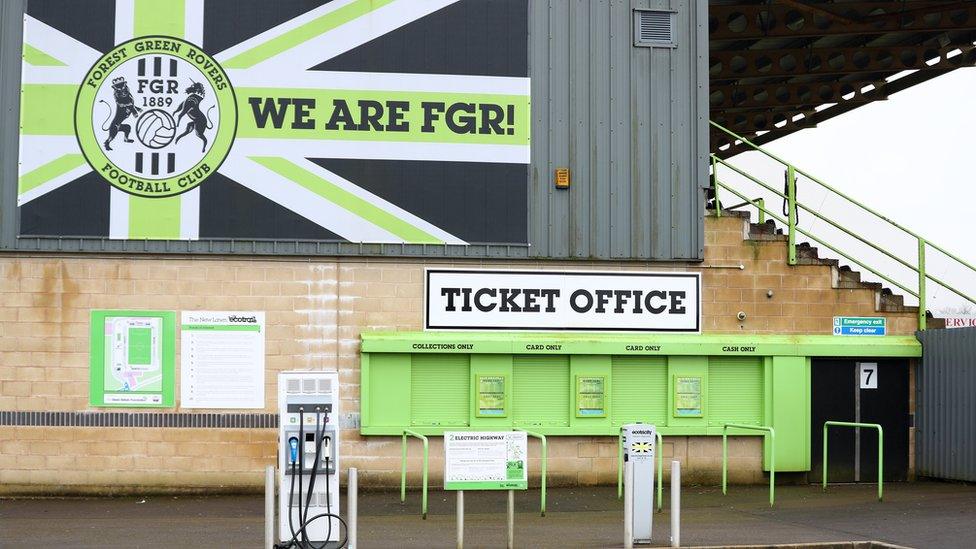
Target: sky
[910, 158]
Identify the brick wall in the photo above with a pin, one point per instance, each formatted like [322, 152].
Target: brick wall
[316, 310]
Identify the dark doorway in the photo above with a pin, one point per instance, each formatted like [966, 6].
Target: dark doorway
[838, 396]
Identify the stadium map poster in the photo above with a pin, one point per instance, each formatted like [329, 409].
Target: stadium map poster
[132, 358]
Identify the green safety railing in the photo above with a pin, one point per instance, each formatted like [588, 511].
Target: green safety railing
[660, 467]
[545, 463]
[403, 470]
[880, 450]
[790, 221]
[772, 456]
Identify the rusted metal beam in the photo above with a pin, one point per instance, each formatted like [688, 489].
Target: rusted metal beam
[727, 65]
[743, 125]
[786, 94]
[812, 9]
[758, 21]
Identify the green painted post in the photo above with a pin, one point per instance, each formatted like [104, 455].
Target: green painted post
[791, 202]
[880, 450]
[772, 456]
[824, 462]
[762, 210]
[718, 203]
[545, 462]
[880, 463]
[403, 469]
[620, 464]
[660, 470]
[921, 283]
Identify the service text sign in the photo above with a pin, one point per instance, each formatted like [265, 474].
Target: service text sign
[562, 300]
[476, 460]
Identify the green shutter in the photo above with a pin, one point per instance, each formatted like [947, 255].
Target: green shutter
[639, 390]
[541, 391]
[439, 390]
[735, 390]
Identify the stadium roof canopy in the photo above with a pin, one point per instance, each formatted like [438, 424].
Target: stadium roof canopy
[779, 66]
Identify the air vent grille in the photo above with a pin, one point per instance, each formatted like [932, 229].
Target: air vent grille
[654, 28]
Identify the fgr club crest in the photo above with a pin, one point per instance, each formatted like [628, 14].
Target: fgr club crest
[156, 116]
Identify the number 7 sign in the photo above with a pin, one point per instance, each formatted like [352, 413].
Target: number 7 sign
[869, 375]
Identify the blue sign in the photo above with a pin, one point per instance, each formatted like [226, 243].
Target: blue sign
[859, 326]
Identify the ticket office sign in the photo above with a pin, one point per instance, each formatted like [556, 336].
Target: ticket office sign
[485, 460]
[507, 300]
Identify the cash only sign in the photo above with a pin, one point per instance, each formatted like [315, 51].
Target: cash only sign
[631, 301]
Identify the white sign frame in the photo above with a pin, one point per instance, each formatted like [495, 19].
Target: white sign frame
[478, 460]
[870, 381]
[244, 364]
[638, 292]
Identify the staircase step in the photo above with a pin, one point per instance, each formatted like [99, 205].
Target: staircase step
[883, 308]
[805, 249]
[816, 261]
[769, 227]
[847, 278]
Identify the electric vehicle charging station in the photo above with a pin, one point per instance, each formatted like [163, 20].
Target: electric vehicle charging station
[308, 460]
[639, 450]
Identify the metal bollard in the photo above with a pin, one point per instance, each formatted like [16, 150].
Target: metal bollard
[460, 519]
[511, 519]
[675, 503]
[269, 507]
[352, 505]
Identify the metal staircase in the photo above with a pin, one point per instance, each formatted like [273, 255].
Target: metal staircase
[866, 252]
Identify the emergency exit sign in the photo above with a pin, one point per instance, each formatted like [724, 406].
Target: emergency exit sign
[860, 326]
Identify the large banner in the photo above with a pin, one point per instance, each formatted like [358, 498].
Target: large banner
[381, 121]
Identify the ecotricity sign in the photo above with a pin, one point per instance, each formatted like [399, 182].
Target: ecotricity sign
[157, 97]
[458, 299]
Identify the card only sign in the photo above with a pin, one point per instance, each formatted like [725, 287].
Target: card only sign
[457, 299]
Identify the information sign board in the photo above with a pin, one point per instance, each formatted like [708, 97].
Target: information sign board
[859, 326]
[132, 358]
[483, 460]
[491, 396]
[687, 396]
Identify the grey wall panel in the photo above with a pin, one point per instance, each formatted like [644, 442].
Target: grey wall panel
[11, 36]
[631, 125]
[945, 417]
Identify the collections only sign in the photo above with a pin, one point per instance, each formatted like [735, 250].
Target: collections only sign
[175, 119]
[562, 300]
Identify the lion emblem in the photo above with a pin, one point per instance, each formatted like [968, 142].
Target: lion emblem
[190, 107]
[125, 107]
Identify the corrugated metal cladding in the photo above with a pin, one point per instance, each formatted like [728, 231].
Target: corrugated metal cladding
[629, 122]
[945, 407]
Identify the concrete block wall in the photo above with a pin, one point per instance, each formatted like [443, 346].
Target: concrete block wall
[315, 310]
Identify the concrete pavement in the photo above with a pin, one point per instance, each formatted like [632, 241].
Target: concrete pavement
[922, 514]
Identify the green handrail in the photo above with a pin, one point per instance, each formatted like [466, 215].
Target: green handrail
[790, 197]
[834, 249]
[660, 467]
[880, 450]
[403, 470]
[761, 202]
[545, 460]
[772, 456]
[817, 214]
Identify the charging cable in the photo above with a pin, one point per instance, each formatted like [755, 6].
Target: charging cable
[299, 538]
